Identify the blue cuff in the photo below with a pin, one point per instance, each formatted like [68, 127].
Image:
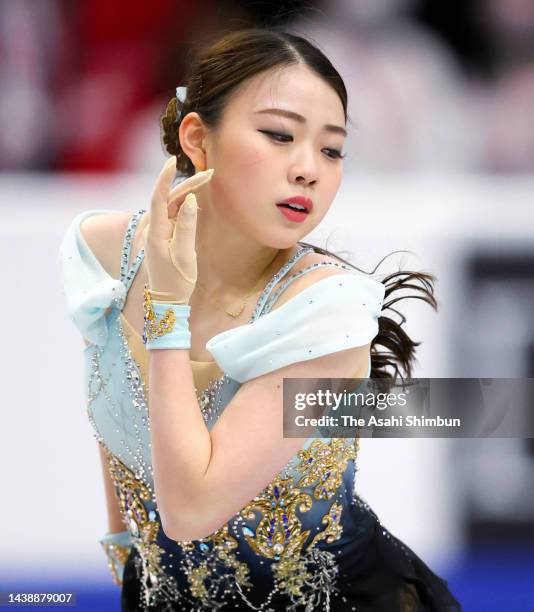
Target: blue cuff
[117, 547]
[121, 538]
[180, 336]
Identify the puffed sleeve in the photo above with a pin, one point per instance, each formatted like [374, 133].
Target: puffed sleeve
[336, 313]
[88, 288]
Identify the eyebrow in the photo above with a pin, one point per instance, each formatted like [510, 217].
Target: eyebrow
[335, 129]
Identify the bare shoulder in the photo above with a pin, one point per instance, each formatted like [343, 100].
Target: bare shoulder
[104, 234]
[310, 277]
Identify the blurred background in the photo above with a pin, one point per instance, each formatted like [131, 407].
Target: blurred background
[440, 162]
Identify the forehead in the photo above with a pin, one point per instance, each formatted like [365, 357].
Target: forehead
[296, 88]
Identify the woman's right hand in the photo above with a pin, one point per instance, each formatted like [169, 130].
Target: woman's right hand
[169, 235]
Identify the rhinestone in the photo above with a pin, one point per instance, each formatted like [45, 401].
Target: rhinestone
[133, 527]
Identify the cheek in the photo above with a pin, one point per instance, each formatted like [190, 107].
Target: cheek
[252, 158]
[246, 168]
[333, 182]
[243, 151]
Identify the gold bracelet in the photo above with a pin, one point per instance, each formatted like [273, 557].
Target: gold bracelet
[155, 328]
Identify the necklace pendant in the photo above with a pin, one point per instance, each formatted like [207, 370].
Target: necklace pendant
[236, 314]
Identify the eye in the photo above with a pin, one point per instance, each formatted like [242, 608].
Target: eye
[279, 137]
[336, 154]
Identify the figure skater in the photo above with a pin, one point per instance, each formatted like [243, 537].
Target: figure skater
[188, 344]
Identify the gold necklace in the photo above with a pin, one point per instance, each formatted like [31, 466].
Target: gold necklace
[240, 311]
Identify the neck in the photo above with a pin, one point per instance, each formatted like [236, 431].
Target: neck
[230, 263]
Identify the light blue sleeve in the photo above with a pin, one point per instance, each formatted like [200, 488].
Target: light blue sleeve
[333, 314]
[88, 288]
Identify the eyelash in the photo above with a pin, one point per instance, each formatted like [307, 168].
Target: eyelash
[337, 153]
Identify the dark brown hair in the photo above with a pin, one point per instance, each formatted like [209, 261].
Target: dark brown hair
[215, 72]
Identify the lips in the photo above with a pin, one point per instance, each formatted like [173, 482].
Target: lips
[295, 208]
[297, 203]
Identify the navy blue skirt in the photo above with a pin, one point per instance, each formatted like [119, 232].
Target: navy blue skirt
[388, 577]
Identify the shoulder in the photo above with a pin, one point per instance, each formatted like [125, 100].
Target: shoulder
[104, 234]
[89, 258]
[310, 277]
[315, 258]
[316, 315]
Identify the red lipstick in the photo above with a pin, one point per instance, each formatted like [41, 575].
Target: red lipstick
[295, 208]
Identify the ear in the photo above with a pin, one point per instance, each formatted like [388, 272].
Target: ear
[192, 133]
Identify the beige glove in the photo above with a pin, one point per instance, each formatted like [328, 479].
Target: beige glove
[169, 236]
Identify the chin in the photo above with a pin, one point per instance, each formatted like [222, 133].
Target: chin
[281, 242]
[275, 235]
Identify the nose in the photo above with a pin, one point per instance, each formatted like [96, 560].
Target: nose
[303, 170]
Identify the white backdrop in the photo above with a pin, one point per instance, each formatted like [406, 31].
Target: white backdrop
[53, 507]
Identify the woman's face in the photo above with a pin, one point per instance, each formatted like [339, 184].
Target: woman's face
[261, 158]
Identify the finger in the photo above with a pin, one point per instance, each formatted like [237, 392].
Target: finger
[184, 234]
[159, 220]
[190, 184]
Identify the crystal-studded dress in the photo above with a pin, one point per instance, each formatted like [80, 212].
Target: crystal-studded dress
[307, 541]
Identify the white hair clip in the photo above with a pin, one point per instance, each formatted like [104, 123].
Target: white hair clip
[181, 93]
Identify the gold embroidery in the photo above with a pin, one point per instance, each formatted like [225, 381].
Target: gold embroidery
[325, 463]
[221, 545]
[279, 531]
[279, 534]
[131, 493]
[291, 574]
[196, 579]
[333, 529]
[155, 328]
[224, 544]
